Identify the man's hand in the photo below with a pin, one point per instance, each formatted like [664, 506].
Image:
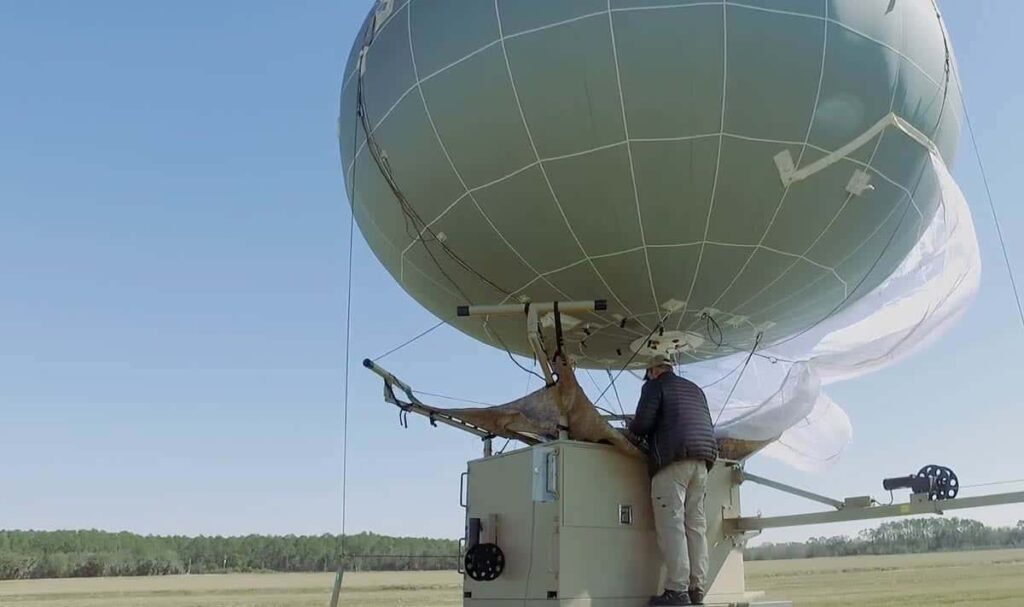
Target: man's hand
[633, 438]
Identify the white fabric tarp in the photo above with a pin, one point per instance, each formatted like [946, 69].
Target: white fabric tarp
[780, 393]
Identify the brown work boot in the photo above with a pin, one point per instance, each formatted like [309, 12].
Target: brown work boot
[670, 598]
[696, 596]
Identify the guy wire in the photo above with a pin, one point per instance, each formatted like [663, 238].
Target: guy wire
[746, 363]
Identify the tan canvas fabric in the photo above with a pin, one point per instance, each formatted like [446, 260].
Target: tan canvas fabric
[536, 415]
[677, 496]
[534, 418]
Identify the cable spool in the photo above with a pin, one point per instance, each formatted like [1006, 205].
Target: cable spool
[937, 482]
[485, 562]
[944, 483]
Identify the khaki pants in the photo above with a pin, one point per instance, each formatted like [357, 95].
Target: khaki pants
[677, 494]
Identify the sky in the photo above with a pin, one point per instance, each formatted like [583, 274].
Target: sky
[173, 265]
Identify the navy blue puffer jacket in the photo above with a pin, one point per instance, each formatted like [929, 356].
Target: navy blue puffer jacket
[673, 416]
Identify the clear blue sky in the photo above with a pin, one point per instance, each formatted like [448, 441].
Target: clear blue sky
[173, 247]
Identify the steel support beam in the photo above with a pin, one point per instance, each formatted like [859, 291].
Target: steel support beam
[413, 405]
[743, 524]
[767, 482]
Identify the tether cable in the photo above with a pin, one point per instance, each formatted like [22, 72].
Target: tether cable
[724, 377]
[992, 206]
[511, 357]
[410, 341]
[984, 174]
[408, 211]
[993, 484]
[615, 389]
[746, 363]
[596, 385]
[636, 353]
[339, 579]
[454, 398]
[348, 358]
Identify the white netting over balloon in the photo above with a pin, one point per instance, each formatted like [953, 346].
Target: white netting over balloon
[780, 393]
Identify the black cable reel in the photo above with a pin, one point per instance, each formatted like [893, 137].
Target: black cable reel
[944, 483]
[485, 562]
[939, 483]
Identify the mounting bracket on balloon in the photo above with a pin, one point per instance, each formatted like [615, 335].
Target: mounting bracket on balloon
[381, 13]
[534, 312]
[860, 182]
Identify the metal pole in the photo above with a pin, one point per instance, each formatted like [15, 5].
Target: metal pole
[414, 405]
[593, 305]
[338, 579]
[388, 377]
[767, 482]
[533, 336]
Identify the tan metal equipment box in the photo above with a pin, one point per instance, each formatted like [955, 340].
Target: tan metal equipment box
[574, 521]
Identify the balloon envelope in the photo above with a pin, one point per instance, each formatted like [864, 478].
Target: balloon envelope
[629, 151]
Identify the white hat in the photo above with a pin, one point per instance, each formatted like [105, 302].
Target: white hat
[659, 360]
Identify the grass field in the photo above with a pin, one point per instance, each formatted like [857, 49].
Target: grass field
[967, 578]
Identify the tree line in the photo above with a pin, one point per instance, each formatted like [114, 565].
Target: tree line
[57, 554]
[906, 536]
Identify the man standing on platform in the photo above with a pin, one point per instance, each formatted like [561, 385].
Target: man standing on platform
[674, 419]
